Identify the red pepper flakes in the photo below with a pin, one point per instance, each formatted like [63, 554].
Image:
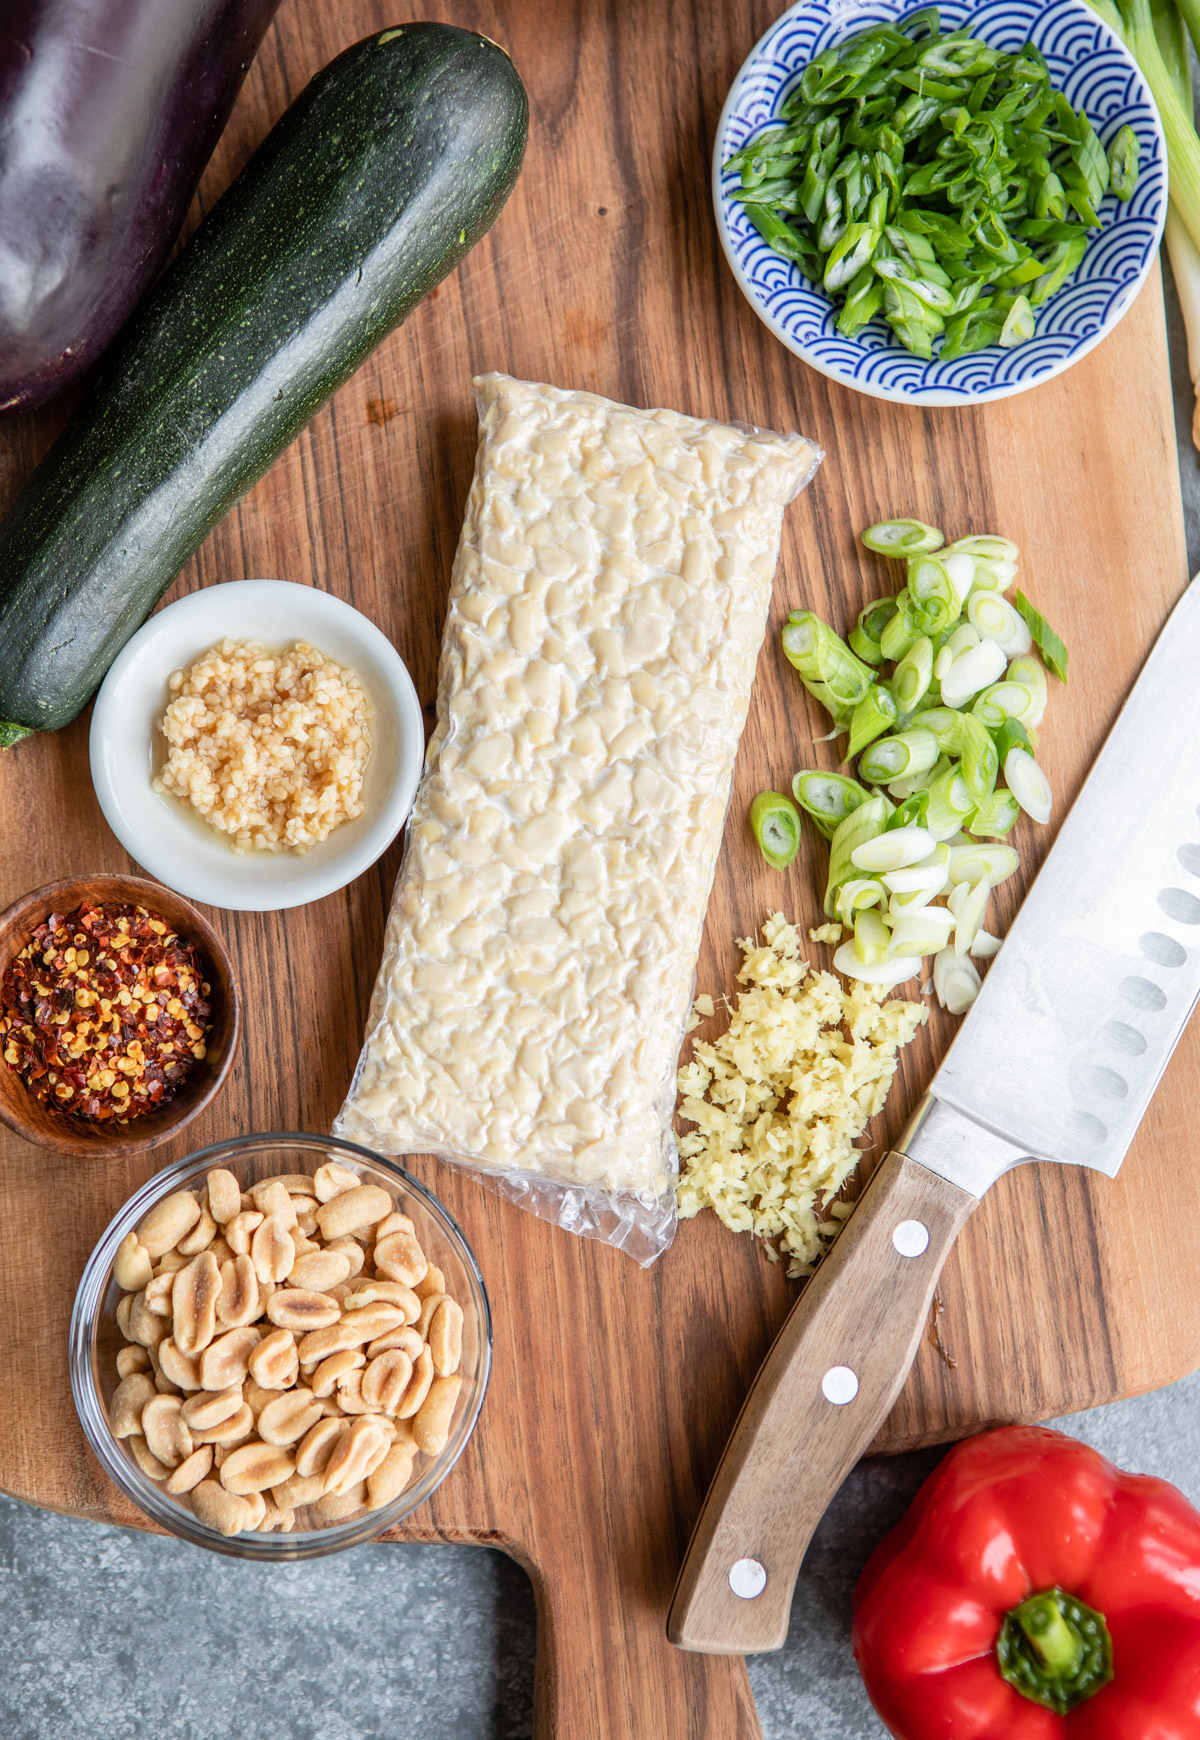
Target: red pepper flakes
[104, 1012]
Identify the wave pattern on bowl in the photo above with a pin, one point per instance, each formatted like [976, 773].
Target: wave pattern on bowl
[1096, 74]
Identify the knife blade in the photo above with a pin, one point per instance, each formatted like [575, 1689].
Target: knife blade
[1057, 1060]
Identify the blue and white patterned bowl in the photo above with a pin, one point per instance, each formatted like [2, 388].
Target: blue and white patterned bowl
[1097, 74]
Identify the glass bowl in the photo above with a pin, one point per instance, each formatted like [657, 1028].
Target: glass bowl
[95, 1339]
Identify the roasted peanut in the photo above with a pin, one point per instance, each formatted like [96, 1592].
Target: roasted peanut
[393, 1223]
[132, 1265]
[272, 1250]
[391, 1477]
[332, 1180]
[192, 1470]
[401, 1258]
[131, 1359]
[385, 1380]
[235, 1430]
[295, 1183]
[224, 1195]
[241, 1230]
[194, 1300]
[431, 1423]
[164, 1385]
[351, 1209]
[183, 1369]
[124, 1314]
[255, 1467]
[296, 1308]
[320, 1343]
[166, 1431]
[445, 1337]
[257, 1396]
[351, 1250]
[128, 1399]
[317, 1445]
[170, 1263]
[319, 1269]
[201, 1236]
[428, 1306]
[356, 1455]
[145, 1458]
[433, 1282]
[210, 1409]
[225, 1362]
[222, 1510]
[167, 1222]
[348, 1394]
[273, 1201]
[418, 1385]
[146, 1327]
[302, 1245]
[275, 1519]
[274, 1363]
[383, 1293]
[299, 1490]
[328, 1372]
[286, 1419]
[368, 1322]
[406, 1339]
[238, 1300]
[336, 1506]
[158, 1293]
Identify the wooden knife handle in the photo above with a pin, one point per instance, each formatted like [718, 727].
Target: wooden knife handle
[824, 1390]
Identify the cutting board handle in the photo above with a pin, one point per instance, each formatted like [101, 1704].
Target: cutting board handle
[824, 1390]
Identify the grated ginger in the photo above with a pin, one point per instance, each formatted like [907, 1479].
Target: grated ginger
[780, 1098]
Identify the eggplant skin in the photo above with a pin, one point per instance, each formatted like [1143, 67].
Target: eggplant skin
[109, 111]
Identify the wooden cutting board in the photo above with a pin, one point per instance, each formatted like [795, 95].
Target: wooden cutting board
[614, 1388]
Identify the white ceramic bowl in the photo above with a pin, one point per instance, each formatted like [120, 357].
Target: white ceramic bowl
[166, 836]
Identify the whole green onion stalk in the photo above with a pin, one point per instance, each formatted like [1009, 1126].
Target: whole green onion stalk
[1154, 32]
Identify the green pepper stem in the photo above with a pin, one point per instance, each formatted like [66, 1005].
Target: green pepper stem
[1054, 1650]
[1057, 1647]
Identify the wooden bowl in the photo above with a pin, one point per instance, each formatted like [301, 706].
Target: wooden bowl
[60, 1132]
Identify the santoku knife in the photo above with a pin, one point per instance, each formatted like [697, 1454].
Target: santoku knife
[1057, 1060]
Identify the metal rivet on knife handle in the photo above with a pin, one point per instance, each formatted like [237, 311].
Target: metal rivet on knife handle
[839, 1385]
[911, 1238]
[747, 1578]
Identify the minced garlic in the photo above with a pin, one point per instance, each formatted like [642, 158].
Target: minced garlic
[780, 1098]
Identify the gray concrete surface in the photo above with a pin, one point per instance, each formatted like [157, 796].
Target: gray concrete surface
[110, 1635]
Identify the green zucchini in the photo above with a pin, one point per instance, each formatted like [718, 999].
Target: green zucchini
[375, 183]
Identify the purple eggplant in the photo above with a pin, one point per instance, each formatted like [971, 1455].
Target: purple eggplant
[109, 110]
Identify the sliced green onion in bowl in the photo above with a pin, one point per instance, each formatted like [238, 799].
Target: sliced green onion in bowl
[995, 864]
[902, 538]
[971, 671]
[894, 850]
[1028, 784]
[876, 713]
[955, 980]
[775, 821]
[828, 798]
[994, 618]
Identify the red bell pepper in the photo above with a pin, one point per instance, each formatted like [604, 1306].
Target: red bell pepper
[1035, 1592]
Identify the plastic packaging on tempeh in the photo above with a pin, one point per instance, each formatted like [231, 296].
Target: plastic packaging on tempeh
[608, 603]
